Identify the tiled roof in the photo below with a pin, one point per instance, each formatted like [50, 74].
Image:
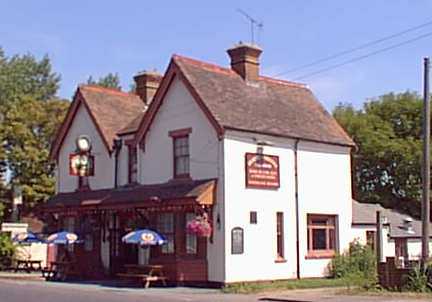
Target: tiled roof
[112, 109]
[268, 106]
[143, 194]
[365, 214]
[132, 126]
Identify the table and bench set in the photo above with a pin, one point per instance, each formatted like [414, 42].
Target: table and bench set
[63, 270]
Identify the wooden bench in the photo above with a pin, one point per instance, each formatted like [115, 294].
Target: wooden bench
[145, 274]
[146, 279]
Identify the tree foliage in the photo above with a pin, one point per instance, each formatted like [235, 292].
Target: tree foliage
[111, 80]
[29, 114]
[387, 131]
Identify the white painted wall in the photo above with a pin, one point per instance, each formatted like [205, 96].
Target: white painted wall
[178, 111]
[324, 180]
[104, 164]
[324, 188]
[258, 260]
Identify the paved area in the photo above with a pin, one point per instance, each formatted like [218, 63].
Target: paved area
[27, 291]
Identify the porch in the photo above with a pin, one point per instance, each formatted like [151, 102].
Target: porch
[101, 218]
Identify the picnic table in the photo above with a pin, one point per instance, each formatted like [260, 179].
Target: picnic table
[59, 270]
[28, 265]
[145, 273]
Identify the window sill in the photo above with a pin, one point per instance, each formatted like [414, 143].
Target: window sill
[280, 260]
[320, 255]
[182, 177]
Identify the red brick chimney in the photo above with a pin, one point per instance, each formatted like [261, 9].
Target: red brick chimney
[147, 82]
[245, 60]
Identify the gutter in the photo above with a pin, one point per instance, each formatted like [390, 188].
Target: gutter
[297, 208]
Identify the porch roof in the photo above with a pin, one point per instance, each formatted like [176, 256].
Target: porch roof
[178, 192]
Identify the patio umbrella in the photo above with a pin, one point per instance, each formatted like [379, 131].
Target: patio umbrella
[144, 237]
[26, 237]
[62, 238]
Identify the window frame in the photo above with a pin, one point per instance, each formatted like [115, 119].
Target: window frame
[132, 171]
[371, 239]
[188, 236]
[280, 250]
[331, 241]
[175, 135]
[167, 235]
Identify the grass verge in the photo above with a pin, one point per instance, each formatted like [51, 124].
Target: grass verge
[257, 287]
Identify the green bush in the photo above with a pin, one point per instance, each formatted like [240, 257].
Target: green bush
[357, 266]
[7, 250]
[419, 280]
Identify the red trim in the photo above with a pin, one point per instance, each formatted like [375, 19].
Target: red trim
[180, 132]
[174, 137]
[129, 142]
[172, 71]
[78, 99]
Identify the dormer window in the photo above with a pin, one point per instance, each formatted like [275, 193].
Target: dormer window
[132, 164]
[181, 152]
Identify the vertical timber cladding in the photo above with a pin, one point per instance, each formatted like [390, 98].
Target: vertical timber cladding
[262, 171]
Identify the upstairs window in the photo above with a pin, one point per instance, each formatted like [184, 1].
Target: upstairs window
[132, 164]
[181, 152]
[321, 235]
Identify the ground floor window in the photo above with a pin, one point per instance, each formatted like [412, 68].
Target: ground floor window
[321, 233]
[401, 251]
[371, 239]
[166, 228]
[191, 239]
[280, 235]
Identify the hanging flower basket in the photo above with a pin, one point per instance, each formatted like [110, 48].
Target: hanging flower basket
[199, 226]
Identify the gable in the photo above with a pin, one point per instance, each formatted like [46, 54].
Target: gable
[172, 72]
[109, 109]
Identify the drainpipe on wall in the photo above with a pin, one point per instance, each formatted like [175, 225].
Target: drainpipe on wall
[297, 208]
[117, 147]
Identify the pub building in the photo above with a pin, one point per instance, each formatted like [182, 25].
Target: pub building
[255, 164]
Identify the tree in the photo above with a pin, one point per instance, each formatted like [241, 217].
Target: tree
[111, 80]
[29, 115]
[387, 131]
[23, 75]
[29, 128]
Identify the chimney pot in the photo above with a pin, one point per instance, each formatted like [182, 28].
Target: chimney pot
[245, 60]
[147, 83]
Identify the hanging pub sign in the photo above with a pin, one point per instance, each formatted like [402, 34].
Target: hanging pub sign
[81, 164]
[262, 171]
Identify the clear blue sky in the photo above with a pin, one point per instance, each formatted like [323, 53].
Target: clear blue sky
[85, 38]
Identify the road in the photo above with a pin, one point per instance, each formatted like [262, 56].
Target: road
[29, 291]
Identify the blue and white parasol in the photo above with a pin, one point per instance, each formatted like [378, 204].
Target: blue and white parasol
[26, 237]
[144, 237]
[62, 238]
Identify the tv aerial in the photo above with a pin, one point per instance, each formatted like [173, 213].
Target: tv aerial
[254, 25]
